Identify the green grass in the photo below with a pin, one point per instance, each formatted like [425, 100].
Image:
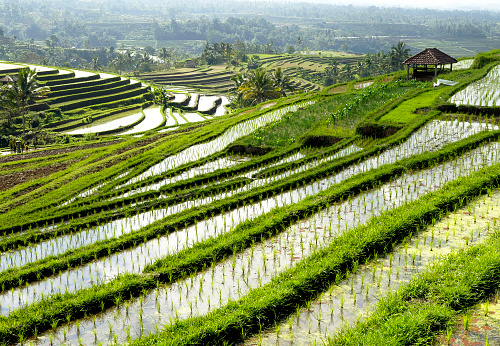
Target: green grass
[429, 303]
[316, 120]
[412, 108]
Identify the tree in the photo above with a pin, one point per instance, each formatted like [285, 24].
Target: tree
[165, 54]
[24, 90]
[399, 53]
[282, 81]
[238, 80]
[259, 86]
[95, 64]
[120, 62]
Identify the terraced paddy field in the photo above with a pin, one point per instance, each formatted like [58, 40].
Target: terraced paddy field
[83, 102]
[178, 238]
[217, 79]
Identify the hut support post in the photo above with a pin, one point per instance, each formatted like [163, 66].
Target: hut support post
[407, 72]
[435, 70]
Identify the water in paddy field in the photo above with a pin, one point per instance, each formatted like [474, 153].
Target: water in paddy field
[199, 151]
[206, 102]
[179, 98]
[80, 74]
[193, 101]
[354, 297]
[461, 65]
[180, 119]
[113, 229]
[170, 120]
[193, 117]
[111, 125]
[254, 267]
[153, 118]
[485, 92]
[476, 327]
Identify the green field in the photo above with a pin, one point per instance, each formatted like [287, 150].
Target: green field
[358, 214]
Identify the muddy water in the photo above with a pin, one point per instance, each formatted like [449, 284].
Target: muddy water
[190, 234]
[236, 276]
[479, 326]
[352, 298]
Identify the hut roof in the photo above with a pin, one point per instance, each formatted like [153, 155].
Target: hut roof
[430, 56]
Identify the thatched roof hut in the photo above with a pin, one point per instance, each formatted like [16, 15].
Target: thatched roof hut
[420, 63]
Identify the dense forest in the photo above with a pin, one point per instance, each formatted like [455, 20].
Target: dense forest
[317, 27]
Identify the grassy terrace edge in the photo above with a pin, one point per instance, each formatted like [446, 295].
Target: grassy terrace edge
[38, 315]
[49, 265]
[156, 154]
[427, 305]
[266, 305]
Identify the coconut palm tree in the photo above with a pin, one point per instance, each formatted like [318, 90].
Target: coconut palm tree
[238, 80]
[259, 86]
[165, 54]
[120, 62]
[24, 90]
[399, 53]
[282, 81]
[95, 64]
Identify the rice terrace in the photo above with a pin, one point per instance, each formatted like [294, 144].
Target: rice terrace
[187, 206]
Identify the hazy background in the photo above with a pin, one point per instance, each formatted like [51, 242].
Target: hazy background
[445, 5]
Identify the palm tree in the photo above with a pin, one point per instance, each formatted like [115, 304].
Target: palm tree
[25, 90]
[282, 81]
[399, 53]
[346, 72]
[164, 54]
[120, 62]
[95, 64]
[259, 86]
[238, 80]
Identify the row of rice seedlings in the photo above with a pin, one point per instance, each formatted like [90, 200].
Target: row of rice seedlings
[485, 92]
[129, 224]
[254, 267]
[265, 204]
[84, 235]
[351, 299]
[54, 247]
[198, 151]
[91, 191]
[221, 163]
[205, 149]
[161, 247]
[430, 137]
[116, 228]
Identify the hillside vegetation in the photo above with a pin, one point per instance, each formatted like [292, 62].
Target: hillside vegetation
[365, 212]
